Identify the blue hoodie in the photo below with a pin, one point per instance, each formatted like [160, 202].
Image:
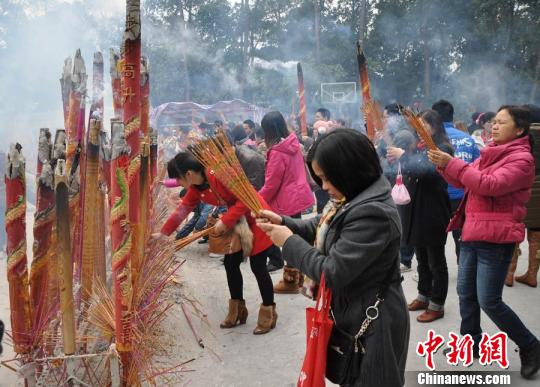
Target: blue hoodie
[464, 148]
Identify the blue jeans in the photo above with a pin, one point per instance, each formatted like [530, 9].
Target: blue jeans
[406, 254]
[481, 273]
[197, 221]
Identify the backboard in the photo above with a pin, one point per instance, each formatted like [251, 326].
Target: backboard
[340, 92]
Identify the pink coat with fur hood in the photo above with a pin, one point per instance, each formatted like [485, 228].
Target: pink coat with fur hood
[285, 188]
[497, 188]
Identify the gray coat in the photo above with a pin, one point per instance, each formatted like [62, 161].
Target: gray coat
[354, 267]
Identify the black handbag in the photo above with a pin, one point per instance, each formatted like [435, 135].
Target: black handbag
[345, 351]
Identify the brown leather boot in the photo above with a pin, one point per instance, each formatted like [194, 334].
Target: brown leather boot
[274, 316]
[289, 283]
[237, 314]
[509, 281]
[266, 320]
[530, 276]
[430, 315]
[242, 312]
[417, 305]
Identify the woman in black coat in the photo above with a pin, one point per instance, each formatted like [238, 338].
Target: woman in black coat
[425, 220]
[355, 243]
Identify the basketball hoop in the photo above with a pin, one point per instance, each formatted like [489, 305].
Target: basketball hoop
[338, 93]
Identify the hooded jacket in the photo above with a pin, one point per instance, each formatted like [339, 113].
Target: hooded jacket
[286, 189]
[497, 188]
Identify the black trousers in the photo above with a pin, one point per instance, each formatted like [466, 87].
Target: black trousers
[274, 253]
[456, 234]
[258, 267]
[432, 273]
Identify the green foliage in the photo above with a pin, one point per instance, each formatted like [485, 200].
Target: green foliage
[479, 53]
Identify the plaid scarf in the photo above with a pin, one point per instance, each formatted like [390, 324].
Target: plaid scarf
[310, 287]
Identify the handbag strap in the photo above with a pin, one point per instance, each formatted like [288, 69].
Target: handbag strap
[324, 297]
[399, 168]
[372, 312]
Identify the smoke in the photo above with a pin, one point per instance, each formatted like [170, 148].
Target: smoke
[473, 71]
[275, 65]
[35, 38]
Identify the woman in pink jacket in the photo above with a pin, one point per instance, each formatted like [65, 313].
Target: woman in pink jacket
[286, 189]
[497, 187]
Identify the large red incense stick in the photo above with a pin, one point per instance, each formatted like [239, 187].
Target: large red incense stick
[76, 99]
[131, 93]
[58, 153]
[74, 128]
[364, 85]
[97, 113]
[17, 271]
[116, 83]
[302, 98]
[121, 239]
[64, 263]
[92, 195]
[43, 225]
[65, 85]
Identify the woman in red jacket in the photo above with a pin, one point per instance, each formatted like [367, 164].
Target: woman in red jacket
[497, 187]
[202, 186]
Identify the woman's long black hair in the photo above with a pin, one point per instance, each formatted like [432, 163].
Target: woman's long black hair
[348, 159]
[274, 127]
[435, 120]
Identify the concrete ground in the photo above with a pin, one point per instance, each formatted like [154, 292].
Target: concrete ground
[236, 357]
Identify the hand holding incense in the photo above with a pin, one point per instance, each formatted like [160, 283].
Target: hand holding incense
[218, 157]
[420, 127]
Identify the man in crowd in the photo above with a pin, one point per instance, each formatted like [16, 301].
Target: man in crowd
[464, 147]
[249, 127]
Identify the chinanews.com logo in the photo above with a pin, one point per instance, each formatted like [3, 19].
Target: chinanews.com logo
[492, 349]
[461, 351]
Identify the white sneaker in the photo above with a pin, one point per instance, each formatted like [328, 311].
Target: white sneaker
[214, 255]
[415, 277]
[403, 268]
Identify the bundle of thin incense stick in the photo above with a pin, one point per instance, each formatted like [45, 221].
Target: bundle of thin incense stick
[181, 243]
[419, 126]
[218, 157]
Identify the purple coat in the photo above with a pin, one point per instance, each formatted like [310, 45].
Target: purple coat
[285, 188]
[497, 189]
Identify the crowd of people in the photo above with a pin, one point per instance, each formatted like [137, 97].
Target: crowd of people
[476, 185]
